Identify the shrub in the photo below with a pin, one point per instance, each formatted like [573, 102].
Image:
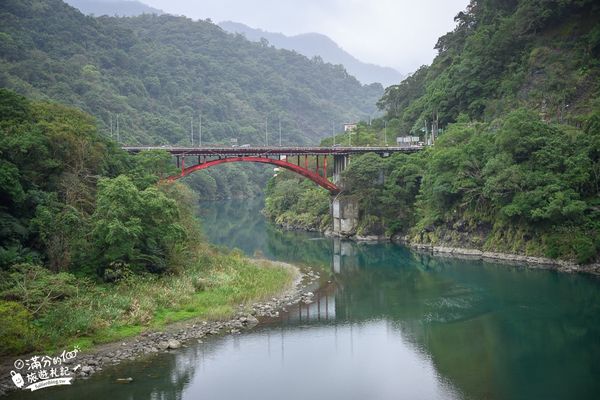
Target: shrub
[15, 330]
[36, 288]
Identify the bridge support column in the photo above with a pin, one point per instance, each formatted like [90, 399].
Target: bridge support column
[344, 213]
[340, 162]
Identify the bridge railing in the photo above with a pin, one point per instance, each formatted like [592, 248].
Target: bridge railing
[271, 150]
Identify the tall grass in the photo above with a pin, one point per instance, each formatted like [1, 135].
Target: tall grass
[211, 288]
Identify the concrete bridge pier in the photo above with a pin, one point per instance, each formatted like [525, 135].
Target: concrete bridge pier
[344, 213]
[340, 162]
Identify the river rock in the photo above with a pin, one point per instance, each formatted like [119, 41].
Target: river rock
[174, 344]
[237, 325]
[163, 345]
[251, 321]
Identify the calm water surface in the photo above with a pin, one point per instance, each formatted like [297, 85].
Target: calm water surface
[389, 324]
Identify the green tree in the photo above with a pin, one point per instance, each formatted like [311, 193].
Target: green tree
[137, 228]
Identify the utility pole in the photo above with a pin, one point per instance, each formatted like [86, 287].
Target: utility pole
[385, 132]
[333, 132]
[118, 137]
[434, 126]
[279, 131]
[267, 131]
[200, 138]
[349, 137]
[192, 130]
[111, 127]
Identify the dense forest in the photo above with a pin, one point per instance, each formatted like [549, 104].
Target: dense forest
[93, 245]
[502, 55]
[513, 99]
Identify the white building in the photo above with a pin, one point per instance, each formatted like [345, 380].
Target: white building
[350, 127]
[407, 140]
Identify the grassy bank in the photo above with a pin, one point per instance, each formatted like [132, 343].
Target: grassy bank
[64, 311]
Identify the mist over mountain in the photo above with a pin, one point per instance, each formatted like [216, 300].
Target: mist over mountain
[318, 45]
[123, 8]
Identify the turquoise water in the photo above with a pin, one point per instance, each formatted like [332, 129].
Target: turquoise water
[388, 323]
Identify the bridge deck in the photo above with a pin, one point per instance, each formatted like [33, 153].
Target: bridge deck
[272, 150]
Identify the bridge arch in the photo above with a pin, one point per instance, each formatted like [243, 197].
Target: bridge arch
[313, 176]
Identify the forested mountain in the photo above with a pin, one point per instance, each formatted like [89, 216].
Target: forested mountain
[122, 8]
[515, 93]
[318, 45]
[505, 54]
[157, 72]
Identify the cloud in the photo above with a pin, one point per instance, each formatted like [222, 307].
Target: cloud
[396, 33]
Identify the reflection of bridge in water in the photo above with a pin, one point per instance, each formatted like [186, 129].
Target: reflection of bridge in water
[323, 305]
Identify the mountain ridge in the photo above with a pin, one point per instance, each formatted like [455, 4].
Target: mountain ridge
[122, 8]
[312, 44]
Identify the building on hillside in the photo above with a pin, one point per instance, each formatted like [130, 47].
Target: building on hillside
[349, 127]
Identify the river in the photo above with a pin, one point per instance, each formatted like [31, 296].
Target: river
[387, 323]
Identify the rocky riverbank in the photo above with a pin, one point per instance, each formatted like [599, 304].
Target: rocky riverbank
[536, 262]
[178, 335]
[461, 252]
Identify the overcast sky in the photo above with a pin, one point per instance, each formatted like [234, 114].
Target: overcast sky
[395, 33]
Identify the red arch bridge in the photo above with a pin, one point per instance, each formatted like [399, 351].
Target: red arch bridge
[191, 159]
